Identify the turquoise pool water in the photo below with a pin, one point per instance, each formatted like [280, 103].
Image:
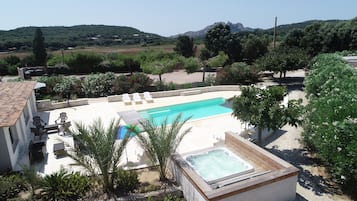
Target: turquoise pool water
[218, 164]
[197, 110]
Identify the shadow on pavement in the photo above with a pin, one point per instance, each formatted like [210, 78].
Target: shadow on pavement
[300, 158]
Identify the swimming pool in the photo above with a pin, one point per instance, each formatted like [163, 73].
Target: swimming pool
[197, 110]
[218, 164]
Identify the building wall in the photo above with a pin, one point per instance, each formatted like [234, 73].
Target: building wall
[5, 162]
[284, 190]
[9, 156]
[188, 189]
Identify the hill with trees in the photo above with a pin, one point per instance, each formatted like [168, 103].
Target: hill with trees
[57, 37]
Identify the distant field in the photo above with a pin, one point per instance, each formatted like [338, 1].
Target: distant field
[133, 49]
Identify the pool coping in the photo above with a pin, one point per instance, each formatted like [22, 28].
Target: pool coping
[274, 169]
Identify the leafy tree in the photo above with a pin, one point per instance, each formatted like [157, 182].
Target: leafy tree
[234, 48]
[238, 72]
[102, 152]
[254, 47]
[218, 61]
[160, 142]
[293, 38]
[312, 39]
[205, 54]
[262, 109]
[184, 46]
[161, 66]
[283, 59]
[217, 37]
[192, 64]
[38, 48]
[330, 125]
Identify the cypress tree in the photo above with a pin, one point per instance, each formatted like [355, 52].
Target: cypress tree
[38, 48]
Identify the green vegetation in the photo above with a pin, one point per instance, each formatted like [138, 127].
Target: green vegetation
[160, 142]
[238, 73]
[324, 37]
[159, 62]
[38, 48]
[58, 37]
[184, 46]
[126, 181]
[63, 185]
[330, 127]
[283, 59]
[101, 151]
[262, 109]
[11, 185]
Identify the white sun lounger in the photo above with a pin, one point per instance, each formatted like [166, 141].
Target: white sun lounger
[148, 97]
[137, 98]
[126, 99]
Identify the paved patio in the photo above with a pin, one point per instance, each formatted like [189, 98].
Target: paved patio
[205, 132]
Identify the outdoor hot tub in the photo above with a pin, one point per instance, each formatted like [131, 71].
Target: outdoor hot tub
[237, 170]
[217, 164]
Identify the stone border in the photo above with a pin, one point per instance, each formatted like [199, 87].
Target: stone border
[47, 104]
[183, 92]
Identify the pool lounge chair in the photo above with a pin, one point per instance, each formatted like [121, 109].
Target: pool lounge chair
[126, 99]
[137, 98]
[148, 98]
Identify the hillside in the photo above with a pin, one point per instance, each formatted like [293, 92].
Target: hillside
[285, 28]
[237, 27]
[57, 37]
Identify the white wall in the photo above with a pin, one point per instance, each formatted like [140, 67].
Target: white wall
[189, 191]
[23, 132]
[284, 190]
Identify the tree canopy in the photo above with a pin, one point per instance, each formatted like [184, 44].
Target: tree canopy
[330, 126]
[38, 48]
[283, 59]
[184, 46]
[262, 109]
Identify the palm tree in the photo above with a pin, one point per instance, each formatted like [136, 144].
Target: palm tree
[159, 142]
[99, 152]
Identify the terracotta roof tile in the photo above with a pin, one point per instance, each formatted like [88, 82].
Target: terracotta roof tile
[13, 98]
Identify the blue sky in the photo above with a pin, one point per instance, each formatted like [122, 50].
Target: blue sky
[169, 17]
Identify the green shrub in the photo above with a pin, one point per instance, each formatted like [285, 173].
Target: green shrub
[84, 62]
[97, 85]
[238, 73]
[126, 181]
[11, 185]
[68, 86]
[64, 186]
[50, 82]
[330, 126]
[140, 82]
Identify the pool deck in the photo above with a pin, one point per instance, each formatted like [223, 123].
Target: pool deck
[205, 132]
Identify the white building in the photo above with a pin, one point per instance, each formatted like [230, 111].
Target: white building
[17, 107]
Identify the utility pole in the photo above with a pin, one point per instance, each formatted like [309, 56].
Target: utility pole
[274, 37]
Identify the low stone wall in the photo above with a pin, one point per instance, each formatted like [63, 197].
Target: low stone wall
[47, 104]
[183, 92]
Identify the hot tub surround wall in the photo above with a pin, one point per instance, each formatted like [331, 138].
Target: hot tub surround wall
[273, 178]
